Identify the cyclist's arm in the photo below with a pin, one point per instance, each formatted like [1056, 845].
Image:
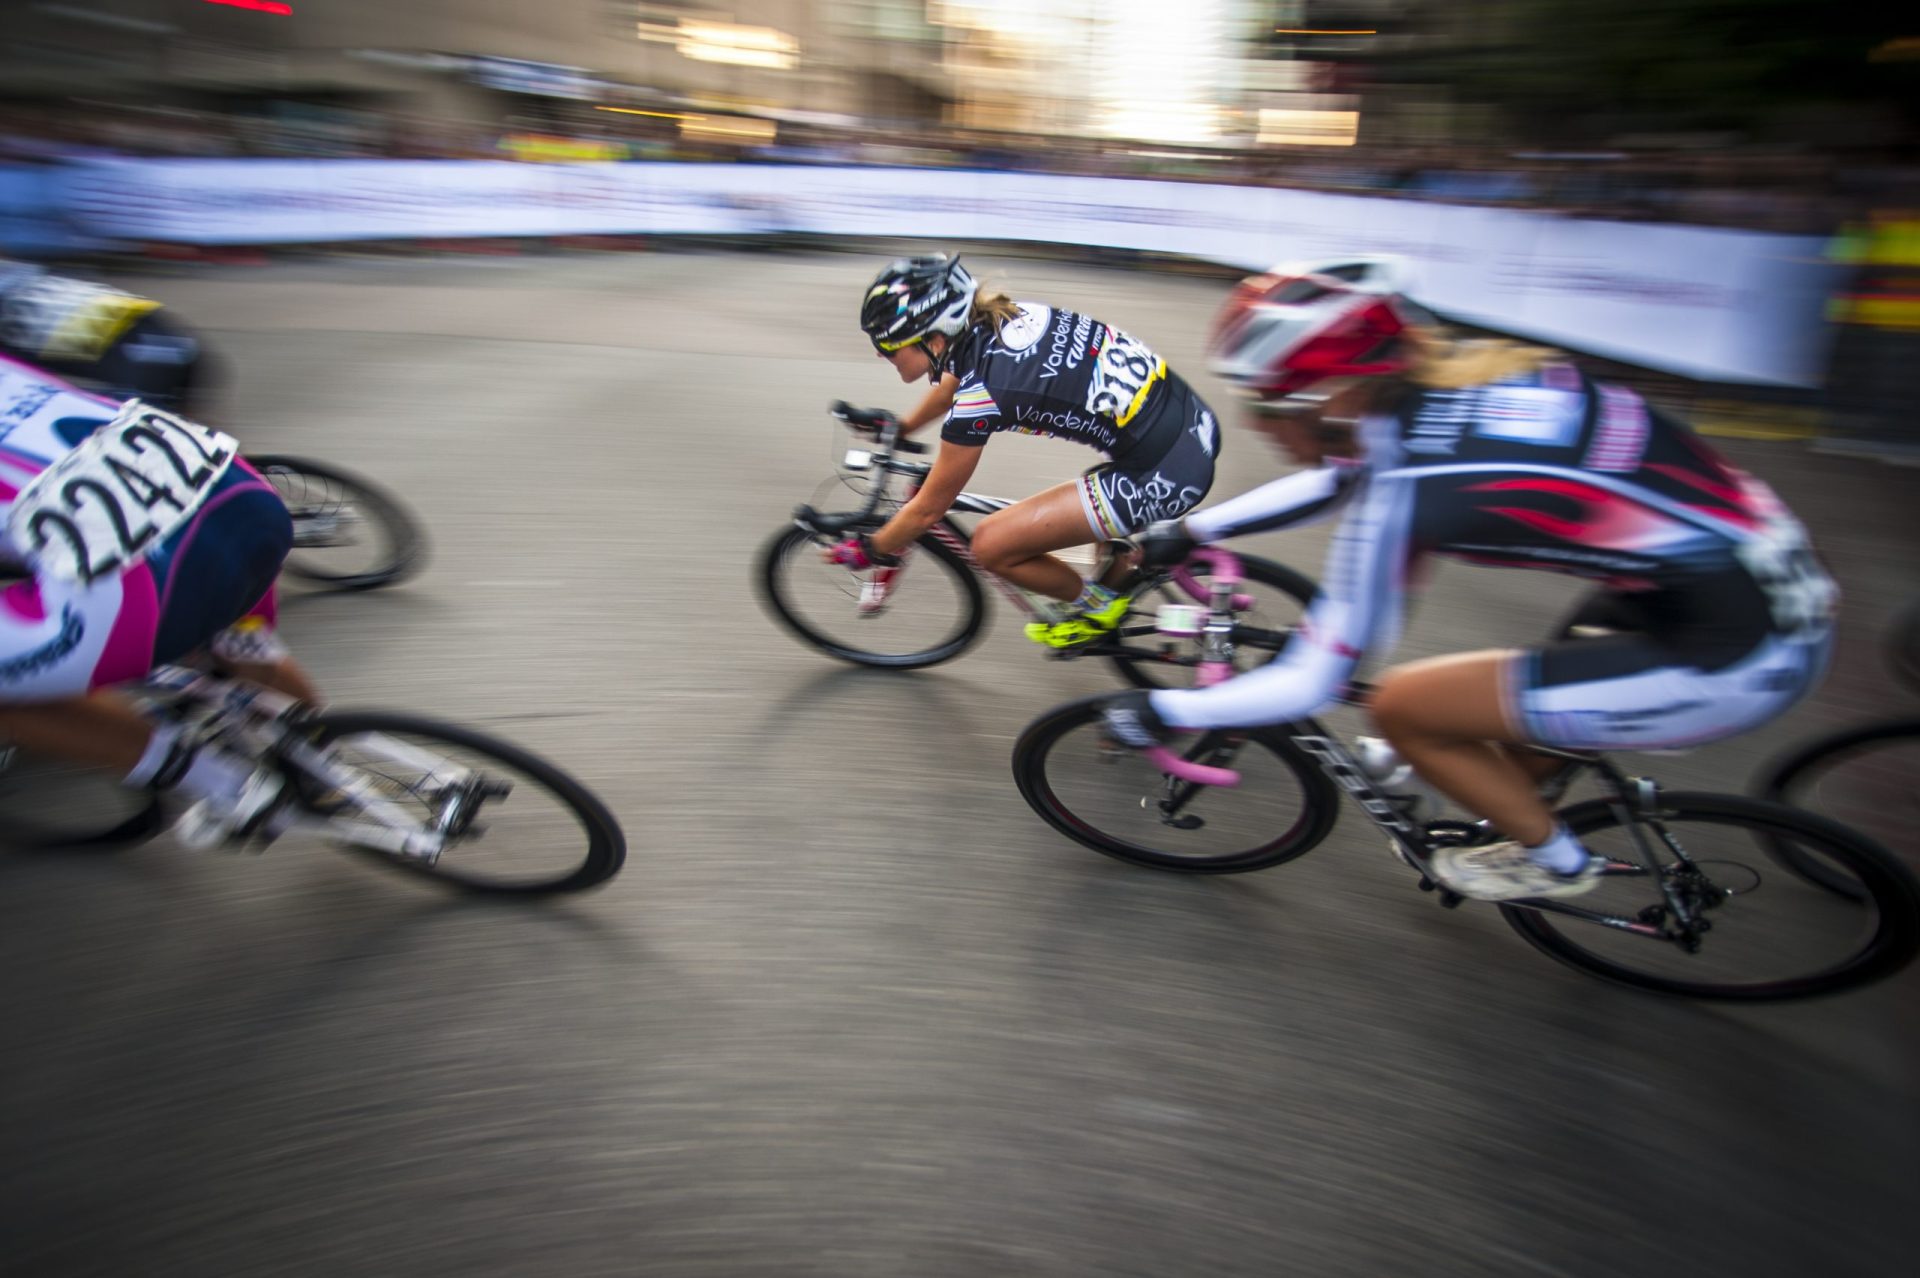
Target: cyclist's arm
[933, 407]
[951, 471]
[1358, 605]
[1301, 498]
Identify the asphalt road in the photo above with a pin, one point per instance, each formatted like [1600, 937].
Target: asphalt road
[851, 1009]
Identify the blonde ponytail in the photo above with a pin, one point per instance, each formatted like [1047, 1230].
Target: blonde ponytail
[997, 307]
[1445, 362]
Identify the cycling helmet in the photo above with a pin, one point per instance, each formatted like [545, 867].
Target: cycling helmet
[916, 296]
[1281, 332]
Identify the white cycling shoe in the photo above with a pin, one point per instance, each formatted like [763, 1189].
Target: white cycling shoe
[1504, 872]
[251, 815]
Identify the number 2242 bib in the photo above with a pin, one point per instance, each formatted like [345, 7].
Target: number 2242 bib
[127, 488]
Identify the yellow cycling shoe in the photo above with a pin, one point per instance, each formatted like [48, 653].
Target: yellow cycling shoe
[1082, 627]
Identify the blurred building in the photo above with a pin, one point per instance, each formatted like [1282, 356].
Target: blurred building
[1201, 73]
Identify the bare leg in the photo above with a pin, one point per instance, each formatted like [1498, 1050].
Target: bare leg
[100, 729]
[1014, 543]
[285, 676]
[1444, 715]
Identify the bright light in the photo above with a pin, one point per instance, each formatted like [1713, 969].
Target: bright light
[259, 6]
[1309, 128]
[738, 45]
[733, 128]
[663, 115]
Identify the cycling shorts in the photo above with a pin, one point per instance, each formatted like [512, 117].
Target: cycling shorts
[60, 638]
[1119, 501]
[1641, 685]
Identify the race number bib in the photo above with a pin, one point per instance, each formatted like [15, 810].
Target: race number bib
[1122, 376]
[63, 319]
[124, 490]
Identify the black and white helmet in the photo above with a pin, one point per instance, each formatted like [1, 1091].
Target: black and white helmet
[915, 296]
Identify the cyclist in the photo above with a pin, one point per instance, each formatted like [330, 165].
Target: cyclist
[1000, 365]
[129, 538]
[116, 342]
[1502, 454]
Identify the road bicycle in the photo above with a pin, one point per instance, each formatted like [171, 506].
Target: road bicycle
[428, 798]
[1867, 775]
[931, 608]
[1680, 908]
[348, 533]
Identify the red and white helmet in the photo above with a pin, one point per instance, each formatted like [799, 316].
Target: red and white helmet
[1284, 330]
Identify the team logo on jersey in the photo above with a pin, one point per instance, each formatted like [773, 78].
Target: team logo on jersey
[1529, 415]
[1020, 335]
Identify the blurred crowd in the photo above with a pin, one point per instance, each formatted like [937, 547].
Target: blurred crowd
[1770, 189]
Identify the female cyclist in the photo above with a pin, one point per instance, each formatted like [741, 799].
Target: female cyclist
[114, 342]
[998, 365]
[1501, 454]
[129, 538]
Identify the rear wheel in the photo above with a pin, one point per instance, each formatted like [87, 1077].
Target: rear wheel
[348, 534]
[1111, 799]
[515, 823]
[1759, 934]
[1273, 598]
[928, 610]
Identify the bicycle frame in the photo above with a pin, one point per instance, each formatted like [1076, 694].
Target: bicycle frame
[264, 723]
[882, 463]
[1634, 799]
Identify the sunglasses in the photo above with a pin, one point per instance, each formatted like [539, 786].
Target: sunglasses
[890, 348]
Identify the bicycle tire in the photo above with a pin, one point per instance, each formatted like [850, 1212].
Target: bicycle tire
[1143, 669]
[779, 591]
[145, 819]
[1892, 942]
[1035, 751]
[1789, 779]
[317, 495]
[605, 848]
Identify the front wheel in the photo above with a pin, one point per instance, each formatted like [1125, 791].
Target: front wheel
[348, 534]
[928, 610]
[1270, 600]
[513, 822]
[1753, 934]
[1111, 799]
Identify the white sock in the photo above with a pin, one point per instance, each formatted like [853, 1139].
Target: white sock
[159, 750]
[1561, 853]
[215, 775]
[1093, 597]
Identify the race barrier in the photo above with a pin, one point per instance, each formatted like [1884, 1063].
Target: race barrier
[1709, 303]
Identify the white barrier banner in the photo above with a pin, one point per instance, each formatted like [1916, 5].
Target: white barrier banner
[1704, 302]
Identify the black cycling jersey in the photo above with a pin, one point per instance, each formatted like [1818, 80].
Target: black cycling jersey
[1060, 373]
[1729, 609]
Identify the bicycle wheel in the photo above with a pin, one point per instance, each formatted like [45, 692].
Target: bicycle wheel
[934, 611]
[1862, 777]
[1276, 598]
[347, 533]
[1773, 936]
[47, 807]
[1111, 799]
[546, 834]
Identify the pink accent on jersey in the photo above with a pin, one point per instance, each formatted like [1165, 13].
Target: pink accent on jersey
[129, 650]
[23, 600]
